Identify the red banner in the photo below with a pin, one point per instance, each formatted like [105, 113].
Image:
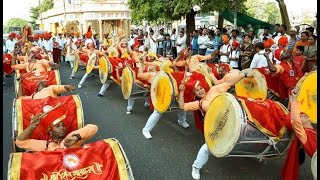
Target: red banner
[70, 106]
[267, 115]
[29, 81]
[98, 160]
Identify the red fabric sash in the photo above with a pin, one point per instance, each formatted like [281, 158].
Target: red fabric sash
[34, 106]
[279, 89]
[267, 115]
[115, 61]
[29, 82]
[84, 58]
[7, 65]
[98, 160]
[199, 120]
[287, 80]
[290, 169]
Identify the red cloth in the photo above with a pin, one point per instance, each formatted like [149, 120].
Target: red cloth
[290, 169]
[287, 80]
[98, 160]
[277, 53]
[35, 106]
[84, 58]
[115, 61]
[215, 68]
[7, 69]
[199, 120]
[29, 82]
[267, 115]
[56, 53]
[279, 89]
[283, 41]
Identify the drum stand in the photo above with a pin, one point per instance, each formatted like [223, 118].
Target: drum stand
[139, 91]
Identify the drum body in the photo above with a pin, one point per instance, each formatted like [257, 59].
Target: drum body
[308, 95]
[103, 69]
[23, 108]
[229, 133]
[73, 163]
[131, 87]
[314, 165]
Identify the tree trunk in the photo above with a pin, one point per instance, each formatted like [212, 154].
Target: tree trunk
[284, 14]
[190, 25]
[220, 20]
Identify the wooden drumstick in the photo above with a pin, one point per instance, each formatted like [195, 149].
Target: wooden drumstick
[26, 74]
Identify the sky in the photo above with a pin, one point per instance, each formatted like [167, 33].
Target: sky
[22, 7]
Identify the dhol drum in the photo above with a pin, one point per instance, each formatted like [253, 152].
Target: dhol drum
[164, 90]
[308, 95]
[24, 108]
[28, 81]
[92, 62]
[131, 87]
[93, 161]
[104, 67]
[116, 67]
[229, 132]
[252, 87]
[314, 165]
[7, 70]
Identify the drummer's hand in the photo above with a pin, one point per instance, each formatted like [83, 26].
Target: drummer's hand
[70, 87]
[294, 94]
[249, 73]
[182, 87]
[35, 120]
[70, 141]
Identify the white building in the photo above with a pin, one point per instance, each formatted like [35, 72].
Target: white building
[112, 16]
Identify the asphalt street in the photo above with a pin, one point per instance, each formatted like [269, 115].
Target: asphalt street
[171, 152]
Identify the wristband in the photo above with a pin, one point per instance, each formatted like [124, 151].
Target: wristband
[78, 136]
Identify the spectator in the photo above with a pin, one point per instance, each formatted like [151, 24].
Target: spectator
[194, 42]
[259, 60]
[202, 41]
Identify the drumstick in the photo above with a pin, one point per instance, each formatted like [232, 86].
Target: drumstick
[26, 74]
[45, 113]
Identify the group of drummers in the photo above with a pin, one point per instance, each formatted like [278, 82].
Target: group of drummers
[227, 103]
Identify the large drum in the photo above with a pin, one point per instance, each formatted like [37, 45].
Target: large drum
[252, 87]
[164, 90]
[230, 131]
[314, 165]
[104, 159]
[104, 67]
[131, 87]
[308, 95]
[28, 81]
[116, 67]
[24, 108]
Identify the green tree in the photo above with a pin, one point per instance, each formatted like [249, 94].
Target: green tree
[272, 13]
[36, 11]
[284, 14]
[170, 10]
[14, 23]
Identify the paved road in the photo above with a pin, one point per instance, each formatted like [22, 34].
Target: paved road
[171, 152]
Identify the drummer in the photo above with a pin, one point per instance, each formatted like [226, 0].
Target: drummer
[56, 128]
[305, 135]
[156, 115]
[202, 102]
[43, 90]
[33, 63]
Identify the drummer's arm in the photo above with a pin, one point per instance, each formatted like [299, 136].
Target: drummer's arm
[57, 89]
[17, 66]
[179, 63]
[85, 134]
[273, 68]
[47, 64]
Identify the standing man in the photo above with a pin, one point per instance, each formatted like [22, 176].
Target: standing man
[11, 42]
[266, 33]
[153, 42]
[61, 43]
[160, 40]
[194, 42]
[174, 38]
[202, 41]
[181, 42]
[97, 42]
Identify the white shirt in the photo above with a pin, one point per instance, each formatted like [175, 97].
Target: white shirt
[47, 45]
[61, 43]
[262, 36]
[161, 38]
[153, 45]
[182, 41]
[276, 39]
[225, 48]
[202, 41]
[146, 41]
[234, 54]
[10, 45]
[174, 38]
[259, 60]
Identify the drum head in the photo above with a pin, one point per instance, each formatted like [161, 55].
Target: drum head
[222, 124]
[254, 88]
[127, 80]
[314, 165]
[161, 91]
[103, 70]
[76, 62]
[308, 95]
[203, 69]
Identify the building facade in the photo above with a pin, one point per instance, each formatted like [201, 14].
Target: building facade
[104, 16]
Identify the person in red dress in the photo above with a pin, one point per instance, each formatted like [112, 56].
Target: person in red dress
[55, 51]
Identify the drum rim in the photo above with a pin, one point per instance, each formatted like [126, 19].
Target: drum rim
[122, 82]
[153, 85]
[263, 81]
[314, 165]
[238, 125]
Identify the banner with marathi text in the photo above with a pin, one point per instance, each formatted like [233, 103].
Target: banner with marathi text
[70, 106]
[101, 160]
[29, 81]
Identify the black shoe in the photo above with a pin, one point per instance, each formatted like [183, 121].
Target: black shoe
[100, 95]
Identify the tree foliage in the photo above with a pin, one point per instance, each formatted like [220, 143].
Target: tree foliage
[264, 11]
[36, 11]
[13, 23]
